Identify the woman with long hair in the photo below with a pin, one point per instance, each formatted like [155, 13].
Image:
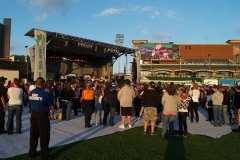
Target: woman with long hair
[75, 98]
[67, 98]
[98, 104]
[183, 112]
[15, 95]
[88, 103]
[194, 94]
[170, 101]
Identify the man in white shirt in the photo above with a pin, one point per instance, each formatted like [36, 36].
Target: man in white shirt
[31, 87]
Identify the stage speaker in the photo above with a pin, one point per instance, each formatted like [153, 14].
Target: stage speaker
[56, 76]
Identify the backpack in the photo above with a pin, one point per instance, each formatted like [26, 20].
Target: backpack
[112, 98]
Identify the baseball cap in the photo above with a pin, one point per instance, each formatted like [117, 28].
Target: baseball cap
[2, 79]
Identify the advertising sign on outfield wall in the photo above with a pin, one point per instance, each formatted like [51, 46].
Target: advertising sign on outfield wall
[226, 82]
[237, 81]
[210, 81]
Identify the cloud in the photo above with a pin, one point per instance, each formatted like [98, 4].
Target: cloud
[44, 8]
[161, 36]
[53, 5]
[42, 17]
[110, 11]
[145, 31]
[147, 8]
[155, 14]
[170, 13]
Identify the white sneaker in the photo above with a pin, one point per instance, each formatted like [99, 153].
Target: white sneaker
[121, 126]
[129, 126]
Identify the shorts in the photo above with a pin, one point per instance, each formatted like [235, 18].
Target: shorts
[236, 111]
[126, 111]
[150, 114]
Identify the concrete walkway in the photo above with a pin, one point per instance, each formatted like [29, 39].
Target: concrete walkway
[65, 132]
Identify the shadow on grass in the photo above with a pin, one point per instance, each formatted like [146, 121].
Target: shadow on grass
[175, 149]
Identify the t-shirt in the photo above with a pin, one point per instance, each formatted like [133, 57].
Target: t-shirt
[40, 100]
[88, 94]
[3, 93]
[15, 95]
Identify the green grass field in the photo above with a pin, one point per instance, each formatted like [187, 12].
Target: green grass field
[132, 144]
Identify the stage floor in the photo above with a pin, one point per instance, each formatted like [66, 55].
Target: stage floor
[65, 132]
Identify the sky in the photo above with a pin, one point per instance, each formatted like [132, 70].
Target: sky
[178, 21]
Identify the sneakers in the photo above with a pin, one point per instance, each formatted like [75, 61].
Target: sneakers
[129, 126]
[153, 133]
[144, 132]
[121, 126]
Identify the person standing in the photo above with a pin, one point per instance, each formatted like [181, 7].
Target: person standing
[75, 98]
[15, 95]
[105, 93]
[125, 97]
[183, 112]
[225, 104]
[170, 101]
[150, 100]
[3, 95]
[217, 99]
[40, 124]
[88, 103]
[194, 94]
[67, 95]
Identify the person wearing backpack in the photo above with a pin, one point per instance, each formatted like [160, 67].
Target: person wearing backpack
[112, 102]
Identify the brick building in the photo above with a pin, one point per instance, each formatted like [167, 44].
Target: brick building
[154, 59]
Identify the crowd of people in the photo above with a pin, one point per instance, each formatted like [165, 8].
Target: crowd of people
[154, 102]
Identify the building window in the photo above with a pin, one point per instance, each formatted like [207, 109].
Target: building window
[186, 47]
[189, 47]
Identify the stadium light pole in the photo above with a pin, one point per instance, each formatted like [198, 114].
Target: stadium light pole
[119, 41]
[26, 60]
[209, 61]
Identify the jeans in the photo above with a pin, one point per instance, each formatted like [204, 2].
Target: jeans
[168, 119]
[182, 122]
[217, 111]
[108, 109]
[75, 106]
[2, 118]
[88, 116]
[225, 116]
[98, 115]
[66, 110]
[17, 110]
[210, 114]
[194, 107]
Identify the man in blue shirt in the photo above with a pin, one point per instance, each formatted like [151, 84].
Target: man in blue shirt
[40, 125]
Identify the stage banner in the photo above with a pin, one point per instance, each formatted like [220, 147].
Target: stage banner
[32, 57]
[40, 54]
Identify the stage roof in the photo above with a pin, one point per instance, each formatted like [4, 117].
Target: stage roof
[72, 47]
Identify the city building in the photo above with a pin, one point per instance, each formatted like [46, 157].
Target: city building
[5, 35]
[166, 59]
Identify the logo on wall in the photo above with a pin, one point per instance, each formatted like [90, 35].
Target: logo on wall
[210, 81]
[236, 50]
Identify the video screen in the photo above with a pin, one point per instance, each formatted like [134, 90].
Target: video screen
[161, 51]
